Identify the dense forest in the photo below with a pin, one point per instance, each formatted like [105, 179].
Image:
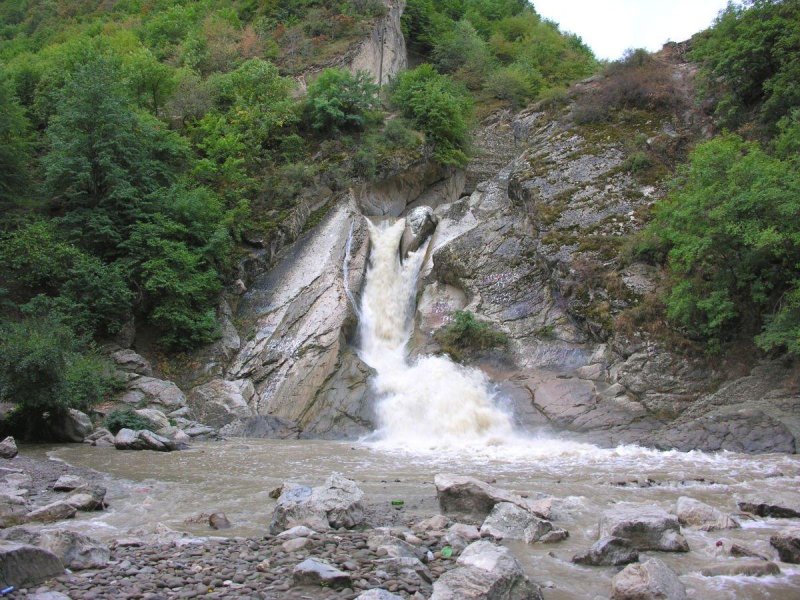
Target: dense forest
[141, 140]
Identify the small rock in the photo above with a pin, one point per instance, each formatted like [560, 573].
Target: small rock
[753, 568]
[295, 544]
[608, 552]
[435, 523]
[315, 572]
[741, 551]
[647, 527]
[90, 496]
[650, 580]
[67, 483]
[8, 448]
[776, 508]
[219, 521]
[378, 594]
[296, 532]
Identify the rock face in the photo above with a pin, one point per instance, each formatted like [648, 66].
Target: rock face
[298, 359]
[486, 572]
[608, 552]
[383, 54]
[469, 496]
[336, 503]
[22, 564]
[650, 580]
[787, 543]
[8, 448]
[647, 528]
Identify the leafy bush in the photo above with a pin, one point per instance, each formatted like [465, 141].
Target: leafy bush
[338, 100]
[466, 335]
[731, 227]
[439, 108]
[126, 418]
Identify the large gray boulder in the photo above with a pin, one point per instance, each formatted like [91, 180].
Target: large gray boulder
[472, 497]
[509, 521]
[486, 571]
[74, 550]
[317, 573]
[152, 391]
[608, 552]
[701, 515]
[156, 417]
[128, 439]
[650, 580]
[337, 503]
[221, 401]
[8, 448]
[87, 497]
[23, 565]
[787, 543]
[130, 361]
[420, 225]
[647, 528]
[71, 426]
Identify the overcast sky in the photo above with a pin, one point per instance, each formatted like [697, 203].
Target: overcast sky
[609, 27]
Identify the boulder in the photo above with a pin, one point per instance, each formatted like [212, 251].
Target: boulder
[8, 448]
[748, 568]
[90, 496]
[221, 401]
[13, 509]
[704, 517]
[24, 565]
[787, 507]
[155, 416]
[128, 439]
[472, 497]
[485, 571]
[130, 361]
[154, 391]
[102, 438]
[55, 511]
[315, 572]
[74, 550]
[647, 528]
[787, 543]
[509, 521]
[71, 426]
[67, 483]
[336, 503]
[608, 552]
[650, 580]
[219, 521]
[420, 225]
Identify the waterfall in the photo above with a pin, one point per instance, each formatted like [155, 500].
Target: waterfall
[430, 401]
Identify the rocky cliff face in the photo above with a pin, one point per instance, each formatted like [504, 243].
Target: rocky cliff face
[530, 239]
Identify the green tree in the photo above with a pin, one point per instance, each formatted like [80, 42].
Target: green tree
[14, 145]
[150, 81]
[338, 100]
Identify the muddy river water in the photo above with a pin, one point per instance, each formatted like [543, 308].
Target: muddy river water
[235, 477]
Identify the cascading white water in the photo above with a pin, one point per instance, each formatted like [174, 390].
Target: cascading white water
[432, 401]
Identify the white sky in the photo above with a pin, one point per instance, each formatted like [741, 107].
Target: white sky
[609, 27]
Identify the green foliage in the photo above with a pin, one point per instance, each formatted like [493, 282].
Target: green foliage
[466, 335]
[14, 145]
[126, 418]
[338, 100]
[750, 61]
[439, 108]
[732, 230]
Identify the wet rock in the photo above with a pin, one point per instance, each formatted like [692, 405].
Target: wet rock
[704, 517]
[221, 401]
[8, 448]
[753, 568]
[650, 580]
[67, 483]
[154, 391]
[778, 507]
[55, 511]
[336, 503]
[88, 497]
[741, 551]
[486, 571]
[71, 426]
[420, 225]
[378, 594]
[647, 528]
[74, 550]
[608, 552]
[551, 537]
[469, 496]
[219, 521]
[508, 521]
[130, 361]
[317, 573]
[23, 564]
[787, 543]
[156, 417]
[13, 509]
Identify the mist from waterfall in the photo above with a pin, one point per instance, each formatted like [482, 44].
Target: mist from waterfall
[430, 401]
